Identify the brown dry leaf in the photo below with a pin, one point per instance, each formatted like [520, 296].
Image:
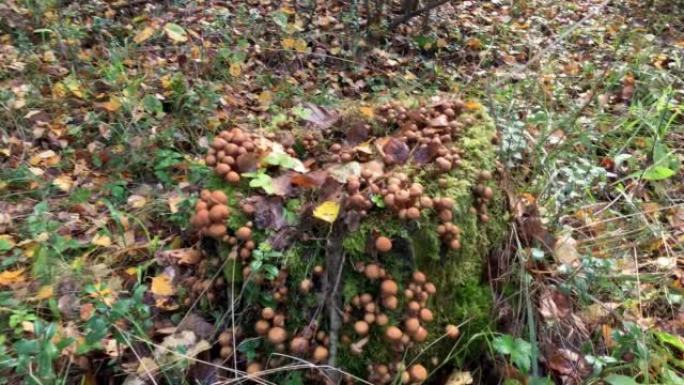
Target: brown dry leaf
[321, 117]
[162, 285]
[565, 250]
[395, 151]
[185, 256]
[554, 305]
[10, 277]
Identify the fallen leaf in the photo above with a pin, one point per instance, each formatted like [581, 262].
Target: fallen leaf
[565, 249]
[235, 69]
[175, 32]
[327, 211]
[320, 117]
[288, 43]
[395, 151]
[101, 240]
[459, 378]
[10, 277]
[137, 201]
[45, 292]
[367, 112]
[300, 45]
[161, 285]
[147, 366]
[63, 182]
[174, 201]
[143, 35]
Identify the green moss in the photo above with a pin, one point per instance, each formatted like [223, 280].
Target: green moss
[462, 296]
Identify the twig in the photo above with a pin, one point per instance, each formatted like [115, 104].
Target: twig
[334, 263]
[410, 15]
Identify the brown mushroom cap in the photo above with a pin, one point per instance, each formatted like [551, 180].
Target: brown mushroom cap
[267, 313]
[382, 319]
[389, 287]
[219, 197]
[383, 244]
[419, 277]
[426, 315]
[219, 212]
[226, 352]
[412, 325]
[261, 327]
[393, 333]
[254, 368]
[420, 335]
[243, 233]
[277, 335]
[225, 338]
[320, 354]
[202, 218]
[418, 373]
[361, 328]
[452, 331]
[372, 271]
[299, 345]
[217, 230]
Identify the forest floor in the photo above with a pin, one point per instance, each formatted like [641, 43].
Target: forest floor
[108, 109]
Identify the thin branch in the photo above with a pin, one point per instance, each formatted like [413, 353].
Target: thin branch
[410, 15]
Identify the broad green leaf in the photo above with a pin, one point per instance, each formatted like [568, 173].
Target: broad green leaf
[175, 32]
[655, 173]
[261, 180]
[503, 344]
[283, 160]
[618, 379]
[671, 340]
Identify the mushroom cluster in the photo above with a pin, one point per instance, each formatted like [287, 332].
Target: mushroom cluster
[211, 212]
[232, 152]
[483, 194]
[429, 129]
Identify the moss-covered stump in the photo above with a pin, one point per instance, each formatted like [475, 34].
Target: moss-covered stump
[356, 239]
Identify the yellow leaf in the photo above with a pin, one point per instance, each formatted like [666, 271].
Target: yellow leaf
[235, 69]
[265, 97]
[132, 271]
[58, 91]
[161, 285]
[300, 45]
[112, 105]
[175, 32]
[143, 35]
[63, 182]
[9, 277]
[288, 43]
[74, 87]
[472, 105]
[367, 112]
[173, 202]
[45, 292]
[101, 240]
[327, 211]
[137, 201]
[442, 43]
[147, 366]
